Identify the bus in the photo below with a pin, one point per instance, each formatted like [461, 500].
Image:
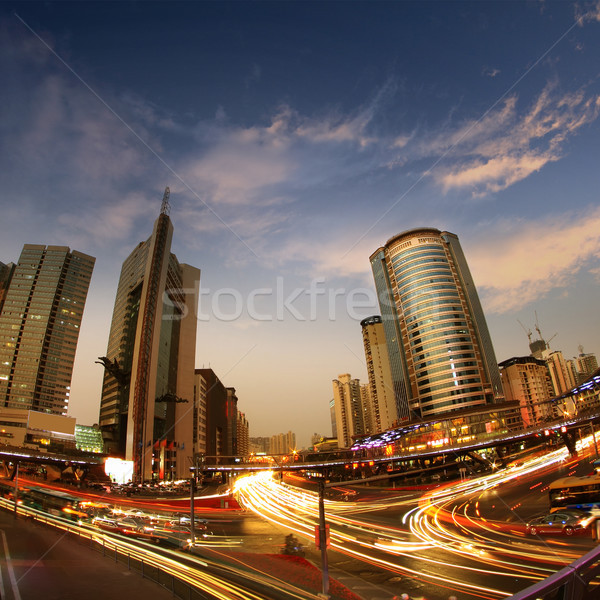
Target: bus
[53, 502]
[576, 492]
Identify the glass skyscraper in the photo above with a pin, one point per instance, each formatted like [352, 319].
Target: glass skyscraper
[146, 410]
[440, 350]
[39, 327]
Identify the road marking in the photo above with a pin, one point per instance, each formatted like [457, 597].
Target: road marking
[11, 573]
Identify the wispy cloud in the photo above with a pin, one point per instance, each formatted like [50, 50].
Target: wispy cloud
[533, 258]
[506, 146]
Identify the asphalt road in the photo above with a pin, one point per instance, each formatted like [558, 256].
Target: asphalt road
[42, 563]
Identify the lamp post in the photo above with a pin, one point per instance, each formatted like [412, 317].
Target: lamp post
[192, 509]
[323, 539]
[16, 487]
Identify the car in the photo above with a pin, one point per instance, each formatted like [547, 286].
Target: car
[565, 522]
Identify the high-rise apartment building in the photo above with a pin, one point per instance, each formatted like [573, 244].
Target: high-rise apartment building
[525, 379]
[381, 388]
[439, 346]
[562, 378]
[350, 410]
[39, 327]
[146, 410]
[243, 435]
[586, 365]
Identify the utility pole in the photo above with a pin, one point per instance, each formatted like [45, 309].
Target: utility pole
[192, 509]
[16, 487]
[323, 539]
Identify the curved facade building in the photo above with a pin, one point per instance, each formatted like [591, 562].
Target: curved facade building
[440, 350]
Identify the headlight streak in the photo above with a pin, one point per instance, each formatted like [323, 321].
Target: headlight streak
[169, 561]
[429, 521]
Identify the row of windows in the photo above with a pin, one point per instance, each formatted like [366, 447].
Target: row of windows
[447, 376]
[431, 299]
[424, 284]
[455, 357]
[454, 386]
[443, 395]
[445, 366]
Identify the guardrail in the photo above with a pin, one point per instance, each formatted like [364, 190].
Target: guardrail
[577, 581]
[139, 560]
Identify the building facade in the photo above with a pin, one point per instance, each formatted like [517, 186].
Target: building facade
[220, 405]
[563, 379]
[439, 347]
[6, 272]
[383, 405]
[39, 327]
[525, 379]
[349, 409]
[146, 409]
[587, 364]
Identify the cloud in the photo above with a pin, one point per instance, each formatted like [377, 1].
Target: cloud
[531, 259]
[504, 147]
[587, 12]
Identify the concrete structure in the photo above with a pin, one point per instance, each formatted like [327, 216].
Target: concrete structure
[243, 435]
[382, 401]
[562, 378]
[39, 327]
[349, 409]
[283, 443]
[6, 272]
[147, 394]
[439, 346]
[220, 405]
[39, 431]
[525, 379]
[586, 365]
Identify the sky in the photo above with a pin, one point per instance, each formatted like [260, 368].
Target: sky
[296, 138]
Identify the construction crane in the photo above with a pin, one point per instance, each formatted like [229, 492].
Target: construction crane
[527, 331]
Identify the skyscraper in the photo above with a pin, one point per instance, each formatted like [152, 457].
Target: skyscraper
[349, 409]
[440, 350]
[148, 389]
[383, 406]
[39, 327]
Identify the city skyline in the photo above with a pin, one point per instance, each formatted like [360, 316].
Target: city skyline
[296, 139]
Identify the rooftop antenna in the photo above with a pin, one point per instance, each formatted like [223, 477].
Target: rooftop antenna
[165, 208]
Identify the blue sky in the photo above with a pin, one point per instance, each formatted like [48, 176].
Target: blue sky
[296, 138]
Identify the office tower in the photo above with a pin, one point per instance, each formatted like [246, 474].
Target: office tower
[39, 327]
[349, 409]
[148, 388]
[439, 347]
[381, 396]
[525, 379]
[219, 402]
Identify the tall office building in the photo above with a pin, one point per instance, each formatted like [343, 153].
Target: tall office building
[39, 327]
[146, 410]
[381, 397]
[439, 347]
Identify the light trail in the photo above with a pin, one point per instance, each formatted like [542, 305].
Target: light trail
[440, 524]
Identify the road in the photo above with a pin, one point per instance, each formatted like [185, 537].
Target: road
[466, 539]
[38, 562]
